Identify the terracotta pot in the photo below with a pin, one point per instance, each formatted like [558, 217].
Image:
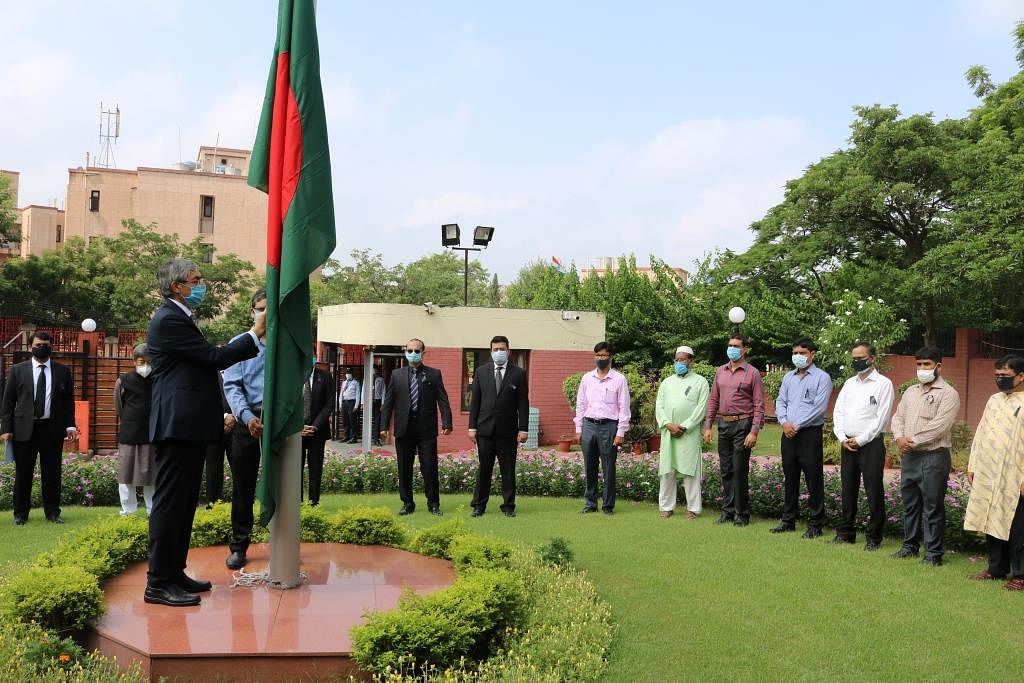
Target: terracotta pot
[638, 448]
[564, 445]
[654, 443]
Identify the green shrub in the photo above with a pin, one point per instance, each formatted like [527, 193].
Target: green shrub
[28, 652]
[465, 621]
[60, 598]
[571, 386]
[104, 548]
[213, 526]
[477, 552]
[368, 526]
[962, 437]
[556, 552]
[434, 541]
[314, 525]
[773, 383]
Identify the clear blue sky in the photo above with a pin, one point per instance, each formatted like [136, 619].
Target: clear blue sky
[576, 129]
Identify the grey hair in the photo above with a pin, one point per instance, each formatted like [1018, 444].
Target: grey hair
[140, 350]
[175, 270]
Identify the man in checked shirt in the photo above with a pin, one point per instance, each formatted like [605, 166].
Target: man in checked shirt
[737, 401]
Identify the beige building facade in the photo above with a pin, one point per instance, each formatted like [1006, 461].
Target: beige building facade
[216, 205]
[42, 229]
[607, 264]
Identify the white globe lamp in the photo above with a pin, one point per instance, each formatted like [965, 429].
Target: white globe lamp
[737, 315]
[88, 325]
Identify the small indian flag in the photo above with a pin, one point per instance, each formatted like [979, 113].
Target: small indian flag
[557, 265]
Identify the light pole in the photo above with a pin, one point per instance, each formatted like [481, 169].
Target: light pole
[482, 236]
[736, 316]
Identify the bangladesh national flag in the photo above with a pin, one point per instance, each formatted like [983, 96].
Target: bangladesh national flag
[291, 163]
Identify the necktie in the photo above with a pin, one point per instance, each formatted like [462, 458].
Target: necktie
[40, 398]
[414, 390]
[307, 401]
[497, 378]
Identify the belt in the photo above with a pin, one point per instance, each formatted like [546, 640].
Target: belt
[735, 418]
[40, 419]
[600, 420]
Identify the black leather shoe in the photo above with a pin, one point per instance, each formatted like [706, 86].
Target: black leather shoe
[725, 519]
[782, 528]
[236, 560]
[190, 585]
[608, 511]
[477, 512]
[587, 511]
[932, 561]
[172, 596]
[741, 521]
[55, 520]
[903, 553]
[509, 513]
[839, 540]
[871, 546]
[407, 509]
[436, 511]
[20, 521]
[812, 532]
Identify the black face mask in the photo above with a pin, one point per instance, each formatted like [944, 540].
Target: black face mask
[41, 352]
[860, 365]
[1005, 383]
[603, 363]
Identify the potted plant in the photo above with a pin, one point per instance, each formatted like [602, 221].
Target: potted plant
[637, 435]
[565, 442]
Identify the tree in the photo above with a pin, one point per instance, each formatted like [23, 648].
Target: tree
[439, 278]
[495, 292]
[8, 217]
[540, 286]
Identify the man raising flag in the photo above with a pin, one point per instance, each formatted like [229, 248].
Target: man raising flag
[291, 163]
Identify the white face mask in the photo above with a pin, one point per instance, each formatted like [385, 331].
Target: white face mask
[144, 370]
[926, 376]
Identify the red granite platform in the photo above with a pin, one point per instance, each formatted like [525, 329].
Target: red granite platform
[261, 634]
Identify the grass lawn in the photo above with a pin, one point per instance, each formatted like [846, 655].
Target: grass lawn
[695, 601]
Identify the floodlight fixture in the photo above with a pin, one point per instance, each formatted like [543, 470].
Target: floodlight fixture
[450, 234]
[482, 235]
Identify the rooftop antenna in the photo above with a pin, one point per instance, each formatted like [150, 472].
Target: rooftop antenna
[110, 131]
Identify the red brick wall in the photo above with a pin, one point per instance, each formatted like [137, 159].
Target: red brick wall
[548, 369]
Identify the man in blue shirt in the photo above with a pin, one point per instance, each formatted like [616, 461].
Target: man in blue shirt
[800, 409]
[243, 389]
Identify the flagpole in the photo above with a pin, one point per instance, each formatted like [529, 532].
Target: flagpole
[284, 525]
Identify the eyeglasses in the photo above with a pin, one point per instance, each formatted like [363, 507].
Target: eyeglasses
[414, 350]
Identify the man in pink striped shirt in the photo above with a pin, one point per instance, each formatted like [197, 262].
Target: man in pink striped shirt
[737, 401]
[602, 418]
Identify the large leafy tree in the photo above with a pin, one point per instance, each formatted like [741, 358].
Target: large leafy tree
[8, 233]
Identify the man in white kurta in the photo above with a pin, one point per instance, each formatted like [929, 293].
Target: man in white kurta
[996, 472]
[680, 409]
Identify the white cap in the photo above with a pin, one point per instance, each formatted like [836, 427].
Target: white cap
[687, 350]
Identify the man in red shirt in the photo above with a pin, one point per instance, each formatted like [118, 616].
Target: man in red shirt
[737, 401]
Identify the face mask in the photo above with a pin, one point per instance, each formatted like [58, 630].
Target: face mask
[681, 368]
[800, 362]
[499, 357]
[861, 364]
[41, 352]
[196, 296]
[734, 353]
[1004, 383]
[144, 370]
[603, 363]
[414, 356]
[926, 376]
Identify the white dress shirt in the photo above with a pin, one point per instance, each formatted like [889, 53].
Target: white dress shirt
[36, 369]
[863, 407]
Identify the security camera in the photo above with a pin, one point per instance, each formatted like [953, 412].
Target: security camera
[429, 307]
[428, 304]
[570, 315]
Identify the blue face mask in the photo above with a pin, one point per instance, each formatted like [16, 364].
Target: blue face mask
[734, 353]
[499, 357]
[681, 368]
[196, 296]
[800, 362]
[414, 357]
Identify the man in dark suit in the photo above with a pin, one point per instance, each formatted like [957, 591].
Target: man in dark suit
[186, 416]
[499, 412]
[37, 414]
[415, 394]
[317, 407]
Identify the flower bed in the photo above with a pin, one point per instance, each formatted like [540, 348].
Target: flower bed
[538, 473]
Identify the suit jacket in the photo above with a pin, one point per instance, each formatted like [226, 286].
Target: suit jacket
[504, 413]
[187, 397]
[433, 397]
[321, 405]
[17, 408]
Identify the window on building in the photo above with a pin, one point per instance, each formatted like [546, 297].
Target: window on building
[474, 358]
[94, 200]
[208, 254]
[60, 234]
[205, 214]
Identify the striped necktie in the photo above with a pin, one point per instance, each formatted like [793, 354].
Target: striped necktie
[414, 390]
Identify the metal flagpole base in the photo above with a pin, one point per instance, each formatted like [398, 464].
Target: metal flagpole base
[284, 525]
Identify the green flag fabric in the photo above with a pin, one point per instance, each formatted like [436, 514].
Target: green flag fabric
[291, 163]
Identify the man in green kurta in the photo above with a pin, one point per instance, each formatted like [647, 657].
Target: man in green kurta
[680, 409]
[996, 474]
